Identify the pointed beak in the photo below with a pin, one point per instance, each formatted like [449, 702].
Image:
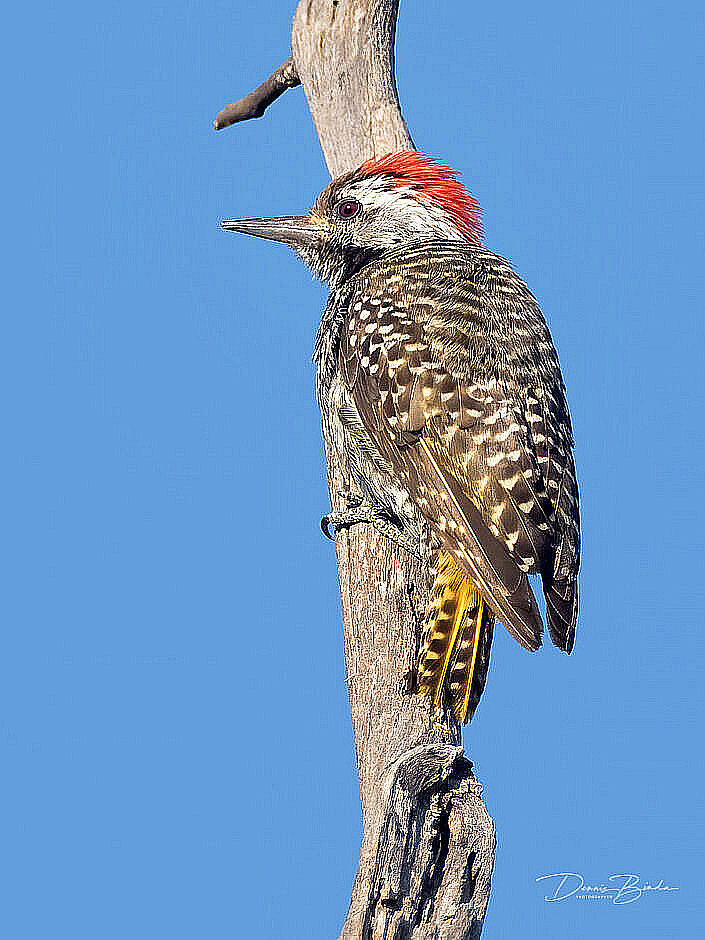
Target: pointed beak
[298, 231]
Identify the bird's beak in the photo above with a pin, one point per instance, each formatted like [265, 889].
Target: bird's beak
[297, 231]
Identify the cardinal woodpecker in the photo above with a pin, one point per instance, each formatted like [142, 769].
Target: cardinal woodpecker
[441, 392]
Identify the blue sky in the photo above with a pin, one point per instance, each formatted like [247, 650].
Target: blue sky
[173, 712]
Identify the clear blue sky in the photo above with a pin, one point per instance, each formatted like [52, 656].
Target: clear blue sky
[173, 711]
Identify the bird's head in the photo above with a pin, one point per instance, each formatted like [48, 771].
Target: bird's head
[396, 199]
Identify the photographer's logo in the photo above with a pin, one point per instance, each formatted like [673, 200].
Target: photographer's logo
[619, 889]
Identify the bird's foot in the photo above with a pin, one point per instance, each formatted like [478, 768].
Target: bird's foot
[358, 512]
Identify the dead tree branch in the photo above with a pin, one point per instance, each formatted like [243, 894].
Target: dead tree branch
[256, 103]
[428, 846]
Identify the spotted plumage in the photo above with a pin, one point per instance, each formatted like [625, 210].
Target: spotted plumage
[441, 390]
[471, 415]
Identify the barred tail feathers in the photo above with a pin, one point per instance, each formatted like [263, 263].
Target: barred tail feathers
[456, 649]
[472, 660]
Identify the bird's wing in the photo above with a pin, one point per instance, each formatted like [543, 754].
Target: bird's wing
[552, 438]
[414, 356]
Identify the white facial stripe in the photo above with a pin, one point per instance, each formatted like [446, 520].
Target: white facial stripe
[421, 216]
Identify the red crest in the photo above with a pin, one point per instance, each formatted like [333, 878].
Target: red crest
[431, 180]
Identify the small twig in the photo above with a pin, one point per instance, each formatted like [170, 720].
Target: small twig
[256, 103]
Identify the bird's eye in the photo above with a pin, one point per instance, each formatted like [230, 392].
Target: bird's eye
[348, 208]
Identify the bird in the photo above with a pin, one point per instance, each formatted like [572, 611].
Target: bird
[442, 395]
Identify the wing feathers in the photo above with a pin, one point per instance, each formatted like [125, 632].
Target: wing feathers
[456, 381]
[503, 586]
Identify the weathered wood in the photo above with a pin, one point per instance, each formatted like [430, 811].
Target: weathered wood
[428, 845]
[344, 54]
[428, 848]
[256, 103]
[429, 874]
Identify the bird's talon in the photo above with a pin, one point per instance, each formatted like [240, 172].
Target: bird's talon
[325, 528]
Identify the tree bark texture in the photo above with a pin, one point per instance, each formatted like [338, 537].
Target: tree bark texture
[428, 846]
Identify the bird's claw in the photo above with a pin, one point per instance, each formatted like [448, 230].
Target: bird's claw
[344, 519]
[325, 527]
[359, 512]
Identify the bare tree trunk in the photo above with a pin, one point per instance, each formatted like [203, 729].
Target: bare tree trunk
[428, 847]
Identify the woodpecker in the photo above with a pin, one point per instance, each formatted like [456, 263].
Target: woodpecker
[441, 391]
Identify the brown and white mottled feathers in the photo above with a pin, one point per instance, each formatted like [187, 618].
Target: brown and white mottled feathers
[453, 372]
[442, 396]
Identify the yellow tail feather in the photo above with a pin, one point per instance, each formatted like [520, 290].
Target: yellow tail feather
[455, 653]
[462, 714]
